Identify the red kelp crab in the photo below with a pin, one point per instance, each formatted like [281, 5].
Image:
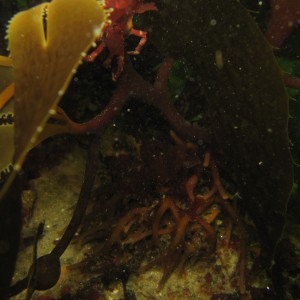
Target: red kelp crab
[119, 26]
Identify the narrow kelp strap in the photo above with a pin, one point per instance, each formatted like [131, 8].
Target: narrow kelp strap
[84, 196]
[6, 95]
[7, 87]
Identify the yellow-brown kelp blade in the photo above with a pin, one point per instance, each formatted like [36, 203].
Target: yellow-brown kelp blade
[46, 45]
[5, 61]
[45, 58]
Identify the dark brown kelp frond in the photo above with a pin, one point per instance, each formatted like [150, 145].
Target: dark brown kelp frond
[246, 99]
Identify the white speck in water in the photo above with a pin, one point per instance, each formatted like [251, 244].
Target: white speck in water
[213, 22]
[270, 130]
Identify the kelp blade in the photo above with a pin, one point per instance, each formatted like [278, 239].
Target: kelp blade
[246, 100]
[45, 57]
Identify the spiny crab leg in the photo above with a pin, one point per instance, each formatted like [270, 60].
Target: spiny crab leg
[117, 73]
[91, 57]
[142, 42]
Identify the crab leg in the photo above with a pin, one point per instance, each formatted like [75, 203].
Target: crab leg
[91, 57]
[143, 40]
